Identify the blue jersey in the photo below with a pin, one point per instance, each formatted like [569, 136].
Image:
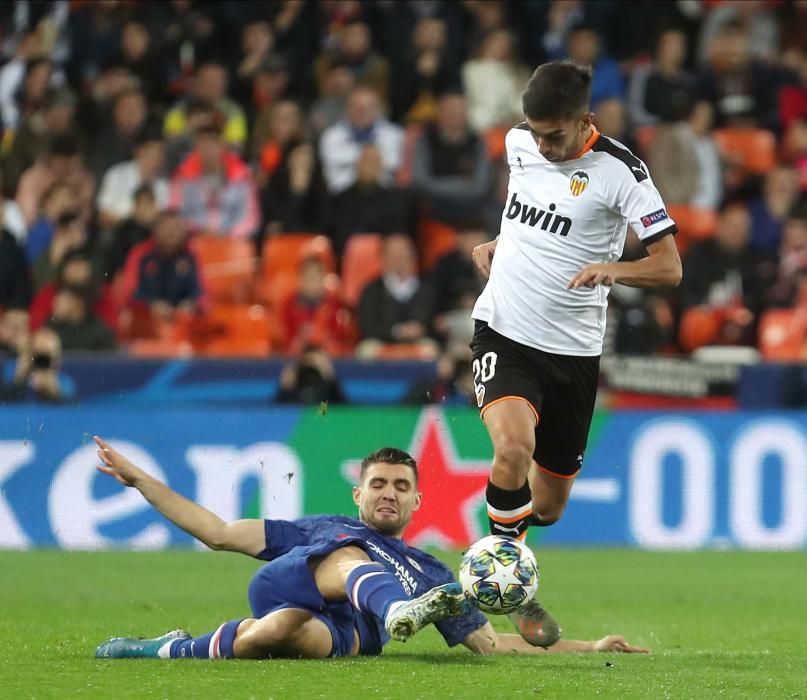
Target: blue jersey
[417, 571]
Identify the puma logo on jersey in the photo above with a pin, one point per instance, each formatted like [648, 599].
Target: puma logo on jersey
[502, 528]
[554, 223]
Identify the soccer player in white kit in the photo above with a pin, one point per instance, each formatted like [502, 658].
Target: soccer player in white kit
[540, 320]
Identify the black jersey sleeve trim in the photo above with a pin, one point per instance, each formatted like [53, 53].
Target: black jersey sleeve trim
[669, 231]
[637, 168]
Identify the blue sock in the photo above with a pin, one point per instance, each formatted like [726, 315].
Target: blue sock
[216, 645]
[372, 589]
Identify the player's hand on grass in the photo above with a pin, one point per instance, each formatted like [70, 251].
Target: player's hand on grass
[615, 642]
[116, 465]
[592, 275]
[483, 256]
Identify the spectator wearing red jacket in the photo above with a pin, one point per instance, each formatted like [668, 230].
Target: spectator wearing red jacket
[213, 189]
[314, 316]
[75, 273]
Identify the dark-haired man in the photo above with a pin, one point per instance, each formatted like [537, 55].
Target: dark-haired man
[61, 163]
[333, 586]
[540, 320]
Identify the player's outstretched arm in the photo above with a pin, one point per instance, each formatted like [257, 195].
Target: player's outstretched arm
[661, 268]
[245, 536]
[486, 640]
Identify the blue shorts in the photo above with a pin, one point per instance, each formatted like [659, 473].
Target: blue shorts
[286, 582]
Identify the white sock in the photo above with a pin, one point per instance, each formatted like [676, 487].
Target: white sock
[164, 652]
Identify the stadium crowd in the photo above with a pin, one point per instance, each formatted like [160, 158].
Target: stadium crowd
[310, 177]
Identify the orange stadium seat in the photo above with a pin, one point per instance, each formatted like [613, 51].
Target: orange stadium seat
[693, 223]
[233, 329]
[282, 255]
[435, 239]
[229, 346]
[160, 347]
[138, 323]
[285, 251]
[361, 264]
[227, 265]
[278, 288]
[394, 351]
[756, 148]
[699, 326]
[783, 334]
[494, 141]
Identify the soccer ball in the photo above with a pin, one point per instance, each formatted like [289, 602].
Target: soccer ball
[500, 573]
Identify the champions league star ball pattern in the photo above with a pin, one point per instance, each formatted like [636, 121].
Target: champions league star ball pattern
[500, 573]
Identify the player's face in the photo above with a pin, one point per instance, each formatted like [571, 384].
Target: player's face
[560, 139]
[387, 496]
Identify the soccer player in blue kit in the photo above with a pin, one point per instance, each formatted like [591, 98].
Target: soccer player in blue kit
[333, 585]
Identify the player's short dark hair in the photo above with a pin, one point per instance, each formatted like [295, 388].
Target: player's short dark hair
[557, 90]
[388, 455]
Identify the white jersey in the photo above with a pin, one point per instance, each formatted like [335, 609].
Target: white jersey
[560, 217]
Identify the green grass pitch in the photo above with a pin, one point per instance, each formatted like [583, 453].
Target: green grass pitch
[720, 624]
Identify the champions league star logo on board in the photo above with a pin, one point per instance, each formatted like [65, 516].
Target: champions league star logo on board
[455, 487]
[578, 183]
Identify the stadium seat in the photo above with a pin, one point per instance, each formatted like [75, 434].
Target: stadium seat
[236, 347]
[138, 323]
[394, 351]
[227, 265]
[160, 348]
[285, 251]
[756, 148]
[693, 223]
[281, 258]
[435, 239]
[494, 141]
[233, 329]
[699, 326]
[783, 334]
[361, 264]
[278, 288]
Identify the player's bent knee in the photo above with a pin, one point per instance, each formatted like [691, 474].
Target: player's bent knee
[512, 455]
[259, 639]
